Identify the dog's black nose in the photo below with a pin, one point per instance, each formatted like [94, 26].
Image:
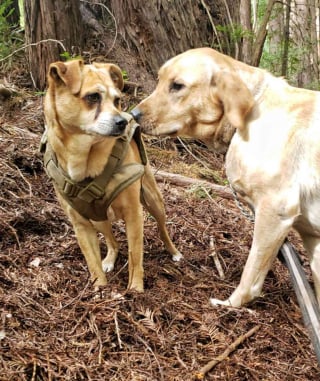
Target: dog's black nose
[136, 113]
[120, 122]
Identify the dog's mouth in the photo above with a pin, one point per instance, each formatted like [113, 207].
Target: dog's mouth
[162, 130]
[105, 129]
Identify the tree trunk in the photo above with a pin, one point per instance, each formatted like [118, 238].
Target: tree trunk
[314, 44]
[286, 40]
[304, 20]
[261, 35]
[245, 22]
[51, 20]
[160, 29]
[276, 37]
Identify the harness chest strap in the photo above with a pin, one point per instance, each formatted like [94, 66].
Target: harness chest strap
[92, 197]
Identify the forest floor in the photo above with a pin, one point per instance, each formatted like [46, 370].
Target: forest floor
[55, 327]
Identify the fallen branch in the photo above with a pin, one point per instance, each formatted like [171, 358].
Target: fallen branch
[222, 191]
[131, 88]
[232, 347]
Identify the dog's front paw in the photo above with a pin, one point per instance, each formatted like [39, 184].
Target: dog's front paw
[107, 266]
[217, 302]
[136, 286]
[176, 257]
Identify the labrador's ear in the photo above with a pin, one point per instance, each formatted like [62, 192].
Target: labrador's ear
[235, 96]
[67, 73]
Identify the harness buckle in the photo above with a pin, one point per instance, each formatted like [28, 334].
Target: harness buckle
[69, 188]
[91, 192]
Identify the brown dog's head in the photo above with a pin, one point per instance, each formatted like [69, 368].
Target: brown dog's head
[199, 95]
[85, 97]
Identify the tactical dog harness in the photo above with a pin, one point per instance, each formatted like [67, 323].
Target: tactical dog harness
[92, 196]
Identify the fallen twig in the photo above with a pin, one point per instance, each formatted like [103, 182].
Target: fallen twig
[232, 347]
[117, 330]
[216, 260]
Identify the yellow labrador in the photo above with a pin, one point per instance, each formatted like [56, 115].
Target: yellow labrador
[273, 133]
[84, 123]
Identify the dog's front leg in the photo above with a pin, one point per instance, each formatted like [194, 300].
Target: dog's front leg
[105, 228]
[89, 244]
[312, 245]
[134, 229]
[269, 233]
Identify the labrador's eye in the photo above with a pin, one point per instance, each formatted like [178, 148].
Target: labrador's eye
[93, 98]
[176, 86]
[116, 102]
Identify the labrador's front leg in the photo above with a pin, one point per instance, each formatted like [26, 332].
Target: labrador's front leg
[270, 231]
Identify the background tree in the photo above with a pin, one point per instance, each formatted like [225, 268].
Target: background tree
[161, 29]
[305, 40]
[280, 36]
[292, 47]
[246, 24]
[56, 20]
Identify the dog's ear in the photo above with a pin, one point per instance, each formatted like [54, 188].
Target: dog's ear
[235, 96]
[114, 71]
[67, 73]
[116, 76]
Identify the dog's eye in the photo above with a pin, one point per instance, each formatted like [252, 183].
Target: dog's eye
[93, 98]
[176, 86]
[116, 102]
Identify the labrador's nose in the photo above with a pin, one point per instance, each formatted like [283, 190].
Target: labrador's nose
[136, 113]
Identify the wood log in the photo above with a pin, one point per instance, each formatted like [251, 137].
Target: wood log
[180, 180]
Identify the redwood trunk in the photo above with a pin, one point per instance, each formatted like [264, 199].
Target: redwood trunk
[54, 20]
[159, 29]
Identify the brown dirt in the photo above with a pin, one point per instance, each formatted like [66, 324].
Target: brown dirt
[55, 327]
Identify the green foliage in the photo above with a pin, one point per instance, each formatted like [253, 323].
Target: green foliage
[4, 27]
[234, 32]
[198, 192]
[125, 75]
[68, 57]
[9, 34]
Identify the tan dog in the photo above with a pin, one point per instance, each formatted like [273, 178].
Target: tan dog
[273, 159]
[83, 119]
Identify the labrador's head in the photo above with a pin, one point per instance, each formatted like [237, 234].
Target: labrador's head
[199, 95]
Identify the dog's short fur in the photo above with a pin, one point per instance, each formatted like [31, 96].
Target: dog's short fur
[273, 159]
[83, 120]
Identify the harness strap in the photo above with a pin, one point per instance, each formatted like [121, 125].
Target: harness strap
[91, 197]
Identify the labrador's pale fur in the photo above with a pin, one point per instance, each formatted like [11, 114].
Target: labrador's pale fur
[82, 112]
[272, 133]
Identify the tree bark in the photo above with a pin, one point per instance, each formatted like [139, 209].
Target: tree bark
[159, 29]
[286, 39]
[276, 37]
[304, 33]
[50, 20]
[245, 22]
